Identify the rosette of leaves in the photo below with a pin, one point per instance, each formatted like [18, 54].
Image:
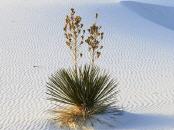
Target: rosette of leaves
[83, 94]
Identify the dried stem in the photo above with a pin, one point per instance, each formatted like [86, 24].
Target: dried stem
[74, 35]
[93, 40]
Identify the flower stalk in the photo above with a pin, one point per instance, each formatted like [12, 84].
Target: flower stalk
[95, 36]
[74, 35]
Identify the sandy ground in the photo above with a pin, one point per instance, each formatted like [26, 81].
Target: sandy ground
[138, 52]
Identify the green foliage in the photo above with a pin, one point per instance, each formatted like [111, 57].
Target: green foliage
[90, 89]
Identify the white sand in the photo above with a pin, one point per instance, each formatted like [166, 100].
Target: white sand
[138, 51]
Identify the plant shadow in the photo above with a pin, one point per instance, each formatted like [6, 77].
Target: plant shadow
[137, 121]
[126, 120]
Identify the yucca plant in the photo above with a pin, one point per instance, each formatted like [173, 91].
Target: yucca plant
[84, 93]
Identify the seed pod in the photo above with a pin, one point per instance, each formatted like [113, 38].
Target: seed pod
[81, 42]
[79, 31]
[96, 15]
[98, 54]
[81, 54]
[81, 25]
[67, 43]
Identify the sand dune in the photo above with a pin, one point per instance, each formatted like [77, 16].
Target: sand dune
[138, 52]
[158, 14]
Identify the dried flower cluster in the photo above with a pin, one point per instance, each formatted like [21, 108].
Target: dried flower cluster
[93, 40]
[74, 34]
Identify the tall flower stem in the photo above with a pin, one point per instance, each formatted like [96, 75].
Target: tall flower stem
[95, 36]
[74, 35]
